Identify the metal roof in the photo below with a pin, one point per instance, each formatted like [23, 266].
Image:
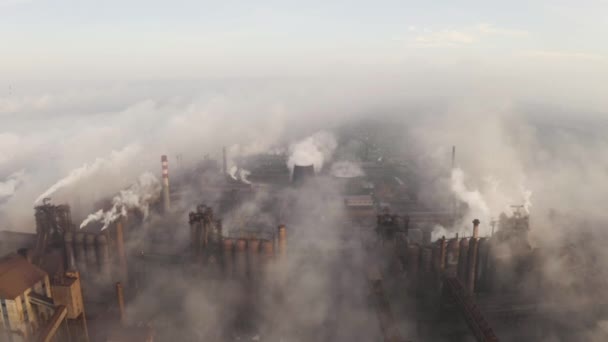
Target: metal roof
[17, 275]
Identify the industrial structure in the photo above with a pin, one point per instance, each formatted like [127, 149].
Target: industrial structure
[69, 284]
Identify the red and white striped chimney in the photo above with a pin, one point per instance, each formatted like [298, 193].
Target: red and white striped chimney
[166, 199]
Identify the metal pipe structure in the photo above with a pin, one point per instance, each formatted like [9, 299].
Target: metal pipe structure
[120, 297]
[165, 171]
[79, 252]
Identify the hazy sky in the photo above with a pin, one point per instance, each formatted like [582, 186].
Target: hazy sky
[80, 39]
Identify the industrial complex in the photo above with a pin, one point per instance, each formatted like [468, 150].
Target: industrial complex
[275, 254]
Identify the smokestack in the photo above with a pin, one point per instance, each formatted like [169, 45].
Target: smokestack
[476, 228]
[472, 265]
[120, 249]
[79, 253]
[91, 252]
[462, 260]
[120, 297]
[253, 247]
[282, 241]
[165, 167]
[240, 258]
[68, 241]
[301, 173]
[224, 160]
[442, 253]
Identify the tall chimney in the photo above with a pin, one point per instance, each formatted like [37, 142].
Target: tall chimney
[68, 240]
[120, 297]
[120, 249]
[224, 160]
[476, 228]
[472, 265]
[165, 168]
[282, 241]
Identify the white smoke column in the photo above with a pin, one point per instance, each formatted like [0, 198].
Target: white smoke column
[527, 197]
[87, 170]
[346, 169]
[138, 196]
[10, 185]
[478, 208]
[314, 150]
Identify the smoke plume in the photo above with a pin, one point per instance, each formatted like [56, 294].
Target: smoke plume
[87, 170]
[138, 196]
[313, 150]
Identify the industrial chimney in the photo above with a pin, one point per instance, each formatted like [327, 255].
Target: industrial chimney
[476, 228]
[165, 168]
[225, 161]
[301, 173]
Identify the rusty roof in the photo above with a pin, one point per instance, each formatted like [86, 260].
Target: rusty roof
[17, 275]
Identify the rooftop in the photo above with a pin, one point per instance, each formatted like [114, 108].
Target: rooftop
[17, 275]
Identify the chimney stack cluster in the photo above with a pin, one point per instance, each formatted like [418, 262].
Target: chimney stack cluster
[463, 258]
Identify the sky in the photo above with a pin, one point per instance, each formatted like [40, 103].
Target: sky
[142, 40]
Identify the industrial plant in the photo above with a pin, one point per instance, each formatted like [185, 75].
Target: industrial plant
[262, 248]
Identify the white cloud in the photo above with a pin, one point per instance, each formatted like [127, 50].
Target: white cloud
[464, 36]
[445, 37]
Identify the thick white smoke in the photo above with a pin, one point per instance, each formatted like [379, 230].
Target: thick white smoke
[10, 184]
[88, 170]
[139, 196]
[477, 206]
[346, 169]
[313, 150]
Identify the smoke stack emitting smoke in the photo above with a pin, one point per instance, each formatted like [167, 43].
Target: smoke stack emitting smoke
[314, 150]
[139, 196]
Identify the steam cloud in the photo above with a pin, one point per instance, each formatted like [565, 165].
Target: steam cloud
[10, 185]
[138, 196]
[313, 150]
[346, 169]
[87, 170]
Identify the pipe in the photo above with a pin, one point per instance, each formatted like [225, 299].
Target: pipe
[282, 242]
[120, 297]
[165, 172]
